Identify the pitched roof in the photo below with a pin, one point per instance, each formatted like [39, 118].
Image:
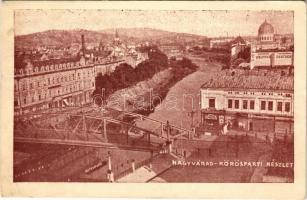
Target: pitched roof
[239, 80]
[237, 40]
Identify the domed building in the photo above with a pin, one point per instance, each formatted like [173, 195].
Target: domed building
[267, 51]
[266, 32]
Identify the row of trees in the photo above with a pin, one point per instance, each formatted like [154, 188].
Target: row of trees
[125, 75]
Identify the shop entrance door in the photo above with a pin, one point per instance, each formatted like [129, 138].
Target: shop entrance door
[250, 126]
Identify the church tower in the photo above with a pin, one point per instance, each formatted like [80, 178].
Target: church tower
[116, 38]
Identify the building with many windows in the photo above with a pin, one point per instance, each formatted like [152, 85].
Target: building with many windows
[249, 100]
[69, 81]
[270, 49]
[53, 83]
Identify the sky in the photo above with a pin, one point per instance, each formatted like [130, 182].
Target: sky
[207, 23]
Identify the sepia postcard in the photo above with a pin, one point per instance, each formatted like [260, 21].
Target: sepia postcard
[153, 99]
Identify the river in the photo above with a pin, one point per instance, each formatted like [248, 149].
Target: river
[182, 98]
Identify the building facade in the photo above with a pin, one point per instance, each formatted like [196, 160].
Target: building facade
[270, 49]
[248, 102]
[55, 83]
[220, 43]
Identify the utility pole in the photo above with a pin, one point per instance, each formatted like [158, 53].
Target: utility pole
[191, 114]
[169, 143]
[102, 96]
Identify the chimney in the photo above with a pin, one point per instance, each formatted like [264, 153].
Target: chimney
[82, 44]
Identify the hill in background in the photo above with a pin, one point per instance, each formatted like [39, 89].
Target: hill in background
[66, 38]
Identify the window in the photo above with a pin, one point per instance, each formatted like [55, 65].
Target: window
[287, 107]
[15, 103]
[279, 106]
[25, 101]
[263, 104]
[270, 106]
[229, 103]
[237, 104]
[39, 97]
[211, 103]
[252, 104]
[244, 104]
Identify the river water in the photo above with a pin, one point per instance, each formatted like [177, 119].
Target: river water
[182, 98]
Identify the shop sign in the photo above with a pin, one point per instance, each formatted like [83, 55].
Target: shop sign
[211, 116]
[221, 119]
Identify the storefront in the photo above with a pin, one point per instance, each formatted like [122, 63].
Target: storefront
[212, 121]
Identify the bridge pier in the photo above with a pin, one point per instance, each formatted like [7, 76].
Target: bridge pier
[110, 174]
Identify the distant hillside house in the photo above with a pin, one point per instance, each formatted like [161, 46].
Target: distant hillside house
[271, 50]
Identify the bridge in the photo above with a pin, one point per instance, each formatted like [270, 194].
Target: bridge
[79, 140]
[91, 127]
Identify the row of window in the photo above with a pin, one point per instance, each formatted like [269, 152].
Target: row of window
[284, 56]
[262, 93]
[260, 57]
[278, 56]
[235, 103]
[16, 103]
[252, 93]
[49, 81]
[250, 104]
[53, 67]
[280, 106]
[267, 38]
[55, 92]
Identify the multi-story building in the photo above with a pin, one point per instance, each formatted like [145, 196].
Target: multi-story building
[55, 83]
[271, 50]
[237, 45]
[249, 100]
[220, 43]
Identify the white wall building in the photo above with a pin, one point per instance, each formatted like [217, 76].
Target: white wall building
[244, 98]
[268, 51]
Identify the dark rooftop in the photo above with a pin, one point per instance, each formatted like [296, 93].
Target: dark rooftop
[251, 80]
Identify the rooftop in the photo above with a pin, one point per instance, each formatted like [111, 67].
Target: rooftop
[264, 80]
